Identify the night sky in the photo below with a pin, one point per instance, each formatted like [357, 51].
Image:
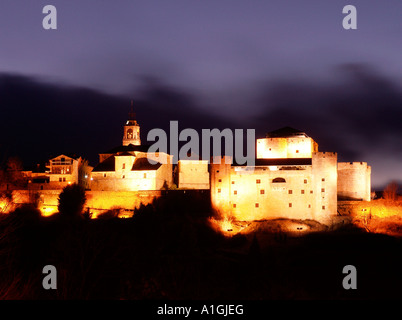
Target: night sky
[207, 64]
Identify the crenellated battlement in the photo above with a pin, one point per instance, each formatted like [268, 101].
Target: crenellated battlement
[357, 164]
[325, 153]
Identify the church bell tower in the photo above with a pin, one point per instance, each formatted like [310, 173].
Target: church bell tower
[131, 130]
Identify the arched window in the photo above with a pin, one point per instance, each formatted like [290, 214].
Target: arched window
[129, 133]
[278, 180]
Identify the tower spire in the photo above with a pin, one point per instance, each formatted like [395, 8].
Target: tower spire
[131, 114]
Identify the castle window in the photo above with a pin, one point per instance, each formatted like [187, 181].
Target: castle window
[219, 190]
[311, 191]
[309, 205]
[269, 149]
[302, 192]
[323, 179]
[257, 205]
[258, 181]
[64, 179]
[262, 191]
[233, 182]
[305, 180]
[235, 192]
[124, 166]
[60, 179]
[278, 180]
[323, 207]
[234, 205]
[123, 176]
[129, 133]
[290, 191]
[322, 189]
[104, 175]
[145, 175]
[220, 180]
[290, 205]
[297, 151]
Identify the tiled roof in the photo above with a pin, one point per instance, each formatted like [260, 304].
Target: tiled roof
[130, 147]
[280, 162]
[140, 164]
[285, 132]
[106, 165]
[143, 164]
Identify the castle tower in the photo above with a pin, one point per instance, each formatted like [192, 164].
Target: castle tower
[131, 130]
[324, 181]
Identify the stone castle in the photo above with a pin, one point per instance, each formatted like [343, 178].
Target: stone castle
[290, 178]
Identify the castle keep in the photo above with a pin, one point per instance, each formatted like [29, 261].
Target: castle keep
[290, 179]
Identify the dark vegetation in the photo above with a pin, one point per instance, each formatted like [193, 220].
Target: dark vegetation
[169, 250]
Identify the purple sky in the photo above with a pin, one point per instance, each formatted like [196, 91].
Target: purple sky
[227, 55]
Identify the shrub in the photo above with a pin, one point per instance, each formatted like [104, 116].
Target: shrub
[72, 200]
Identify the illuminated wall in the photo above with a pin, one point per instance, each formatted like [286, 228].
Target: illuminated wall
[291, 147]
[354, 181]
[220, 185]
[123, 178]
[97, 201]
[47, 200]
[193, 174]
[324, 179]
[129, 181]
[263, 192]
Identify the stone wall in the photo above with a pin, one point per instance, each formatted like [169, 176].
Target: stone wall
[97, 201]
[193, 174]
[302, 192]
[324, 175]
[102, 201]
[354, 181]
[292, 147]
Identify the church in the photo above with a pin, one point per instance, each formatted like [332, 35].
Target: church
[126, 167]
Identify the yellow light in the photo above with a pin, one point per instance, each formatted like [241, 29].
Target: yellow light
[48, 211]
[226, 225]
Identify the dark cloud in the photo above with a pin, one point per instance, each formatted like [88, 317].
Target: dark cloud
[357, 114]
[41, 119]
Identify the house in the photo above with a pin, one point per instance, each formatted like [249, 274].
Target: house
[59, 172]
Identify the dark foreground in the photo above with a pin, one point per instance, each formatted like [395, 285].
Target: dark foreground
[170, 251]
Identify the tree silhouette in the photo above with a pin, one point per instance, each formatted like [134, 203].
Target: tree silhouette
[72, 200]
[390, 192]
